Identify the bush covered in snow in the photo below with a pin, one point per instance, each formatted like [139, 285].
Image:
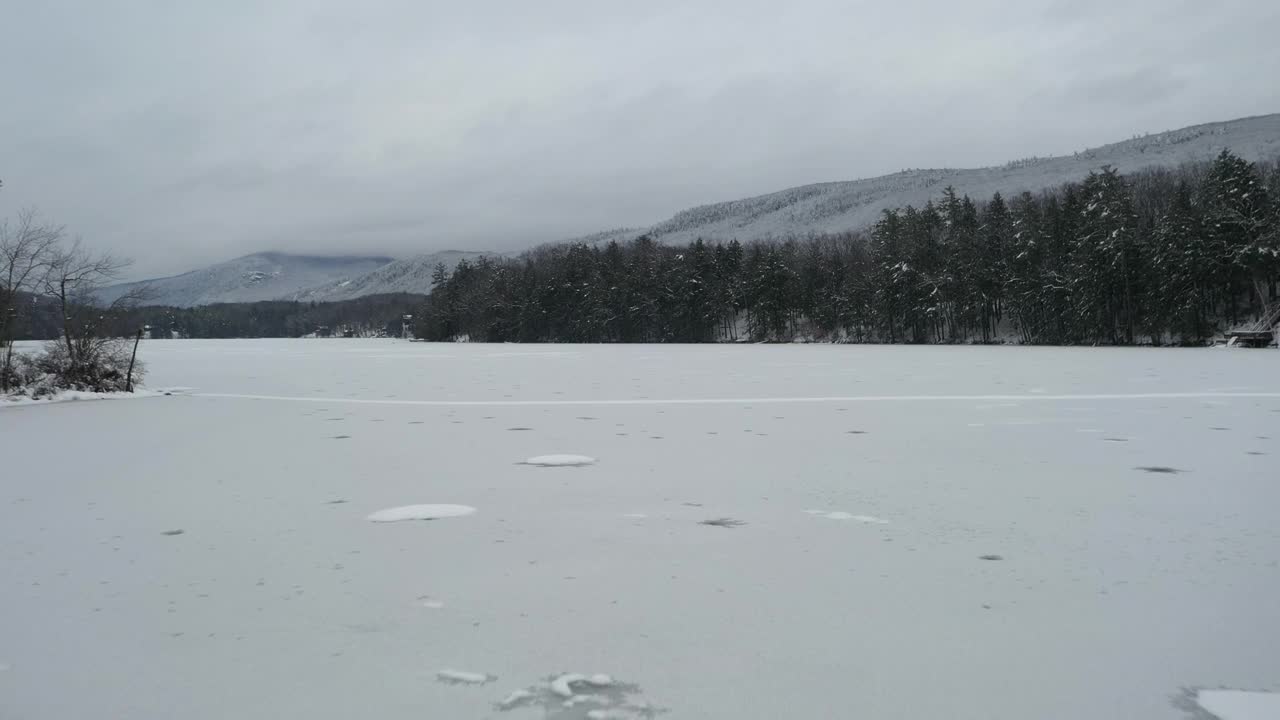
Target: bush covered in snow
[100, 366]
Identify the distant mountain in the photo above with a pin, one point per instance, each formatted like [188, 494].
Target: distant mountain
[261, 276]
[853, 205]
[412, 275]
[279, 276]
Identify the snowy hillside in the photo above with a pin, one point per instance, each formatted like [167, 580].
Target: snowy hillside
[412, 275]
[261, 276]
[841, 206]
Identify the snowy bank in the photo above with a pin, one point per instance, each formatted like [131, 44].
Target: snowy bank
[78, 395]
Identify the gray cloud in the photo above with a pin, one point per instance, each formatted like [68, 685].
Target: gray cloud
[186, 133]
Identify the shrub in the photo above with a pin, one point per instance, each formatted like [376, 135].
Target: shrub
[100, 366]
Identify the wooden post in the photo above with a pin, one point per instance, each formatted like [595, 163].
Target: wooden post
[128, 381]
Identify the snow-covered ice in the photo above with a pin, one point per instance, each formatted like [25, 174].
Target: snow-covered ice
[1240, 704]
[1118, 587]
[420, 512]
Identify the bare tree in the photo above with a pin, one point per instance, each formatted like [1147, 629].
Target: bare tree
[86, 355]
[27, 250]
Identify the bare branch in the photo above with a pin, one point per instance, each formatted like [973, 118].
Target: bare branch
[26, 250]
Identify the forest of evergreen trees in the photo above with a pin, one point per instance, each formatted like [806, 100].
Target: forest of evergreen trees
[1161, 256]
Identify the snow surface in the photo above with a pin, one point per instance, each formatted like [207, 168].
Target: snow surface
[420, 512]
[1240, 704]
[1118, 587]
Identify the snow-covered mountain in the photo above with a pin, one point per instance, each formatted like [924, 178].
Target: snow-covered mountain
[279, 276]
[819, 208]
[409, 275]
[261, 276]
[852, 205]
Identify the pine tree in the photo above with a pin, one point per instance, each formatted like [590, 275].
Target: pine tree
[1106, 262]
[1183, 265]
[1240, 221]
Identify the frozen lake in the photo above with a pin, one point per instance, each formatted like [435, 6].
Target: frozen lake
[714, 531]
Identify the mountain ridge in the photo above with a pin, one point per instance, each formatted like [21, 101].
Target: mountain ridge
[837, 206]
[258, 276]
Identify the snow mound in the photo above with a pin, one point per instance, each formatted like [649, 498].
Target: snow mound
[421, 512]
[560, 461]
[461, 677]
[1240, 704]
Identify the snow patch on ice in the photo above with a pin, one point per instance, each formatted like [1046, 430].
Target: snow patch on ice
[611, 714]
[462, 677]
[561, 695]
[420, 512]
[842, 515]
[560, 461]
[517, 697]
[563, 684]
[581, 699]
[1240, 704]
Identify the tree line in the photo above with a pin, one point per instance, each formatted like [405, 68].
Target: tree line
[369, 315]
[1163, 256]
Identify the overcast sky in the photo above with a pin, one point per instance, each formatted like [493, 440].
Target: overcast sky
[184, 133]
